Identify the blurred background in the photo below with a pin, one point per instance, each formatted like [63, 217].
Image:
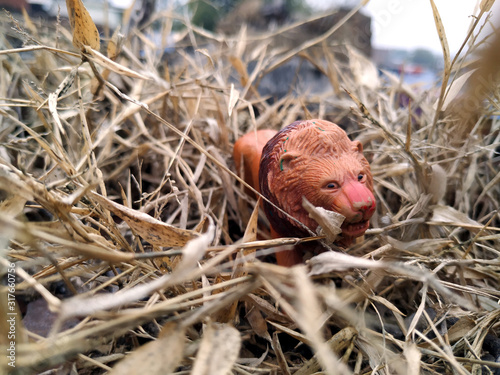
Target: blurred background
[399, 36]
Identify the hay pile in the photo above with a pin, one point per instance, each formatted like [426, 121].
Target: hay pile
[121, 213]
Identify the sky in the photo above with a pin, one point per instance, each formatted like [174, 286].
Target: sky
[409, 24]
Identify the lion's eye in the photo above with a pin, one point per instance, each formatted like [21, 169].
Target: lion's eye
[332, 185]
[361, 177]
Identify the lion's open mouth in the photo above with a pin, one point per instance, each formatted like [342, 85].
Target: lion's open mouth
[355, 229]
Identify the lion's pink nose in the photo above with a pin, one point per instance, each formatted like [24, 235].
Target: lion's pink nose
[360, 198]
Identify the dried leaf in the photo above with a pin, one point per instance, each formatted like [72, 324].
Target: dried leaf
[18, 193]
[161, 356]
[449, 215]
[240, 68]
[107, 63]
[250, 234]
[413, 356]
[455, 88]
[53, 96]
[442, 36]
[257, 321]
[329, 221]
[486, 5]
[85, 32]
[27, 20]
[269, 310]
[195, 249]
[115, 44]
[279, 355]
[233, 99]
[205, 53]
[423, 246]
[225, 178]
[387, 304]
[333, 261]
[436, 183]
[12, 206]
[309, 318]
[337, 344]
[218, 351]
[152, 230]
[295, 334]
[363, 69]
[461, 329]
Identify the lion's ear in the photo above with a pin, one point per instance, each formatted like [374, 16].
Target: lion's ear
[357, 146]
[286, 159]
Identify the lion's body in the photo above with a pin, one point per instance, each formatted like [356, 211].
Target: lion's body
[315, 159]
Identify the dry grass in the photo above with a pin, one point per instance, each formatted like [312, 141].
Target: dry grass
[121, 210]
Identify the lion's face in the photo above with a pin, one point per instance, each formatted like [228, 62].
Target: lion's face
[317, 160]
